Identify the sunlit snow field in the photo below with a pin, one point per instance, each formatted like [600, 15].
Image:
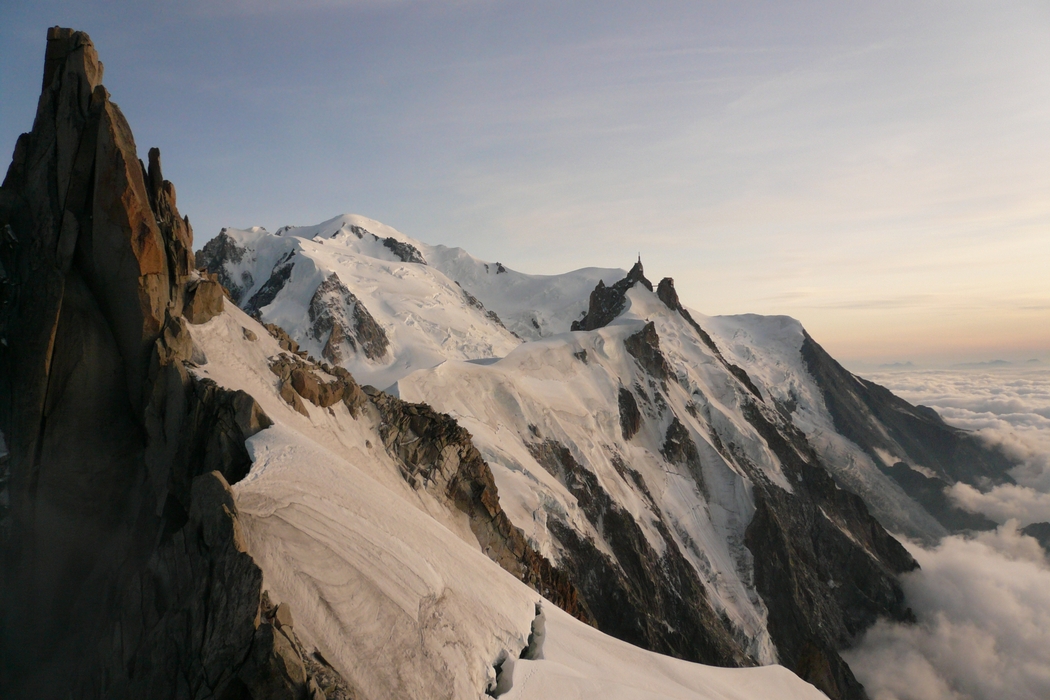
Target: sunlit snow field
[983, 604]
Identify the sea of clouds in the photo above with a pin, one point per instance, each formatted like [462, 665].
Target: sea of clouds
[983, 602]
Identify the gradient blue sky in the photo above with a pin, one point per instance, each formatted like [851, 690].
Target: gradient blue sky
[880, 171]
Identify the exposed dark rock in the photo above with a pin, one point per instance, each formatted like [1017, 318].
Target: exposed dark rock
[214, 256]
[930, 493]
[438, 455]
[679, 448]
[406, 252]
[123, 572]
[653, 601]
[644, 346]
[581, 355]
[876, 420]
[216, 425]
[630, 416]
[1041, 532]
[325, 682]
[338, 316]
[282, 271]
[606, 303]
[500, 269]
[824, 567]
[666, 293]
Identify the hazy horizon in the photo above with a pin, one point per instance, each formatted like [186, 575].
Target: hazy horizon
[879, 173]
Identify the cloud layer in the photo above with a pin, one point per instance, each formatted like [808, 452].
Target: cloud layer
[1008, 408]
[983, 632]
[983, 603]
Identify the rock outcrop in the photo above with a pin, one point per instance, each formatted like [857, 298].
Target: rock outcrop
[323, 385]
[630, 416]
[644, 346]
[406, 252]
[124, 573]
[341, 321]
[648, 598]
[213, 258]
[606, 303]
[282, 271]
[437, 455]
[203, 299]
[883, 424]
[824, 567]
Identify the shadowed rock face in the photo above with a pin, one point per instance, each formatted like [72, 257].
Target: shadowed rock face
[877, 421]
[213, 258]
[282, 270]
[650, 599]
[124, 574]
[644, 346]
[406, 252]
[630, 416]
[438, 455]
[824, 566]
[606, 303]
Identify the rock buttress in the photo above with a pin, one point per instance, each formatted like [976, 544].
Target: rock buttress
[123, 571]
[438, 455]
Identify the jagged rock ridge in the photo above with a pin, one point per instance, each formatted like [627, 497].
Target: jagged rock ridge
[606, 303]
[835, 567]
[211, 258]
[124, 574]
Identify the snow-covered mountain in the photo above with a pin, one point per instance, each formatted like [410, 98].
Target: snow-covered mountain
[661, 458]
[389, 304]
[568, 480]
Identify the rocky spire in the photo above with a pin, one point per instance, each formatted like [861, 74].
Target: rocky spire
[606, 303]
[123, 572]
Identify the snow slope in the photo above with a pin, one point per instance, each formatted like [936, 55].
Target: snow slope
[769, 349]
[547, 414]
[532, 306]
[425, 315]
[391, 588]
[580, 664]
[551, 390]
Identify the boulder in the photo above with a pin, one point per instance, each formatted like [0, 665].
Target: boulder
[203, 300]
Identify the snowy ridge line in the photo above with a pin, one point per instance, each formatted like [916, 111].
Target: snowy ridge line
[643, 452]
[453, 306]
[380, 573]
[660, 516]
[693, 506]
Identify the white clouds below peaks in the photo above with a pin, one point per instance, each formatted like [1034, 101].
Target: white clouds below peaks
[983, 603]
[1008, 408]
[983, 631]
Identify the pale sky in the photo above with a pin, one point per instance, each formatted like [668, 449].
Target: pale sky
[880, 171]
